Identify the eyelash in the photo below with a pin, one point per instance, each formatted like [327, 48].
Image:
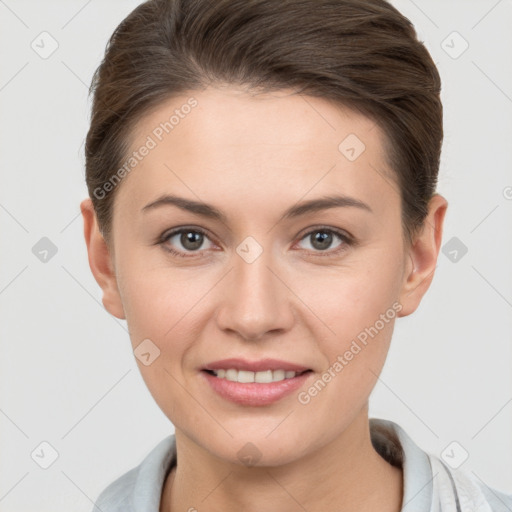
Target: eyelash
[347, 241]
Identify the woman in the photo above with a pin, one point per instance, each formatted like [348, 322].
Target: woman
[262, 208]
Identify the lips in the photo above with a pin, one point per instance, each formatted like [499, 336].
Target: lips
[255, 383]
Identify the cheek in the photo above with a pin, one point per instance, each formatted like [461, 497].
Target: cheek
[157, 301]
[350, 298]
[361, 312]
[161, 306]
[359, 305]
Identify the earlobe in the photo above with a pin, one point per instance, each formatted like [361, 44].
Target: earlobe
[100, 261]
[422, 257]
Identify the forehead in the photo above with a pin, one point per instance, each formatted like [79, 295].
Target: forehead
[225, 142]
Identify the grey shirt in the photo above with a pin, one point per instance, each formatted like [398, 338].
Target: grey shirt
[430, 485]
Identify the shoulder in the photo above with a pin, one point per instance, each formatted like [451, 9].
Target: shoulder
[139, 489]
[116, 496]
[465, 491]
[431, 485]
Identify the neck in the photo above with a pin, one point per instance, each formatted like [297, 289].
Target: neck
[344, 475]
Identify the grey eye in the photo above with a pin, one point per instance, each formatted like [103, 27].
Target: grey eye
[191, 240]
[321, 239]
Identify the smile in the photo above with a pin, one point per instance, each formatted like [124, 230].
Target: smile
[262, 377]
[241, 387]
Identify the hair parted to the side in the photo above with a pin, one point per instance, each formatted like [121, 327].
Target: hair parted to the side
[363, 55]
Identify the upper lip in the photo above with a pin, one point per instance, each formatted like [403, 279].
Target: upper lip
[255, 366]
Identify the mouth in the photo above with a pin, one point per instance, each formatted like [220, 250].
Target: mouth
[255, 383]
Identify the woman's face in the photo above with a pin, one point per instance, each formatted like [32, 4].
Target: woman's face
[262, 269]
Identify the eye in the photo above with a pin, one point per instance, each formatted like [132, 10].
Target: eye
[190, 239]
[321, 239]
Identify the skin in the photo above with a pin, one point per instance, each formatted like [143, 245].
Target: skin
[252, 157]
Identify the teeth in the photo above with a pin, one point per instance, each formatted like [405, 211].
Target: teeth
[245, 376]
[263, 377]
[278, 375]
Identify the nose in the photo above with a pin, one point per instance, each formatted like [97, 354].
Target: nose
[256, 301]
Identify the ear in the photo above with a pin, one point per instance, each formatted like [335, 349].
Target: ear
[422, 256]
[100, 261]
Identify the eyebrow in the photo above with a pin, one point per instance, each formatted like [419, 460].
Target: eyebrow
[210, 211]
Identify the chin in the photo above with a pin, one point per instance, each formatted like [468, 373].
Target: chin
[256, 451]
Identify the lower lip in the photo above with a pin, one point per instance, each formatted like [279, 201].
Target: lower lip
[254, 393]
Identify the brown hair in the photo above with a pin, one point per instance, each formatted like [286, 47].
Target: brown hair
[364, 55]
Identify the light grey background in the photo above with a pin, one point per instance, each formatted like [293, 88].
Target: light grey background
[67, 373]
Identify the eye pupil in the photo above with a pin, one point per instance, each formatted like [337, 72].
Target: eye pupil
[325, 240]
[192, 237]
